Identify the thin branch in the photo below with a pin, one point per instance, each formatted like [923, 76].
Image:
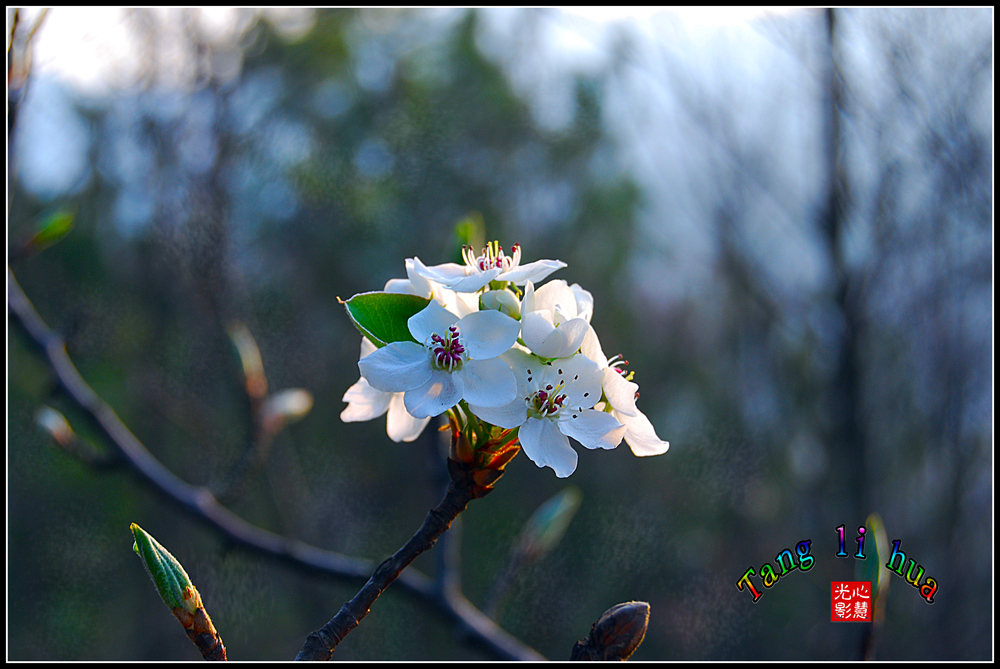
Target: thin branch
[320, 644]
[201, 504]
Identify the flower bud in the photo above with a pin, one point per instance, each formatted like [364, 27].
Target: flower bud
[56, 425]
[616, 634]
[503, 301]
[288, 405]
[168, 575]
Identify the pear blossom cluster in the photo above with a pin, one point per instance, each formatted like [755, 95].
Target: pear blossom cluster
[515, 356]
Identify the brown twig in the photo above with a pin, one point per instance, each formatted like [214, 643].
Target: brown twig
[200, 503]
[461, 490]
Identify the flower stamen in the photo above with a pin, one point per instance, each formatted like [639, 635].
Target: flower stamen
[492, 257]
[447, 353]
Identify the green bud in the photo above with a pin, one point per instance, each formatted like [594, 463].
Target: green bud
[503, 301]
[168, 575]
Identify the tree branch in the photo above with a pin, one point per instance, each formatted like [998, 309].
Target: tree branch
[201, 504]
[321, 643]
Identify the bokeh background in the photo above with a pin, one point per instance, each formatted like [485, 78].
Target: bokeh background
[786, 223]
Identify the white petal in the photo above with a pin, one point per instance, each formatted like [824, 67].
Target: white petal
[546, 446]
[547, 341]
[556, 294]
[593, 429]
[581, 379]
[400, 425]
[533, 271]
[488, 383]
[364, 402]
[367, 348]
[441, 392]
[419, 283]
[440, 273]
[474, 281]
[487, 334]
[535, 327]
[462, 304]
[401, 286]
[591, 347]
[399, 366]
[507, 416]
[528, 301]
[621, 393]
[584, 302]
[430, 320]
[527, 371]
[641, 437]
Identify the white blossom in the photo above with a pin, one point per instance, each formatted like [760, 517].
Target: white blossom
[620, 393]
[553, 402]
[365, 403]
[492, 265]
[456, 360]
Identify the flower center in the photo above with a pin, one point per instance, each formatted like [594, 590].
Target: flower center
[447, 352]
[492, 257]
[547, 402]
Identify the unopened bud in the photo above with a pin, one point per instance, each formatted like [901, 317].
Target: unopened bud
[503, 301]
[288, 405]
[253, 366]
[56, 425]
[616, 634]
[168, 575]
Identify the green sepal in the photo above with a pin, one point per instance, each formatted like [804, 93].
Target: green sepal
[168, 575]
[382, 317]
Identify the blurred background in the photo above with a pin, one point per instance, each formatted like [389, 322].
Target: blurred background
[785, 221]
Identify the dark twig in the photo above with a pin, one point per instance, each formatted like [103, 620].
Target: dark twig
[320, 644]
[200, 503]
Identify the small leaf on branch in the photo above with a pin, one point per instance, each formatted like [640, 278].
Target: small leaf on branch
[179, 594]
[382, 317]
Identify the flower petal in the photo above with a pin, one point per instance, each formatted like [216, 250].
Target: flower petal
[546, 446]
[507, 416]
[591, 347]
[584, 302]
[547, 341]
[418, 282]
[533, 271]
[581, 379]
[442, 391]
[487, 334]
[488, 383]
[593, 429]
[430, 320]
[364, 402]
[641, 437]
[620, 393]
[399, 366]
[400, 425]
[555, 294]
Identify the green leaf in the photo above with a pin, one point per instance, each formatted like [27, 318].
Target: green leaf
[168, 575]
[381, 317]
